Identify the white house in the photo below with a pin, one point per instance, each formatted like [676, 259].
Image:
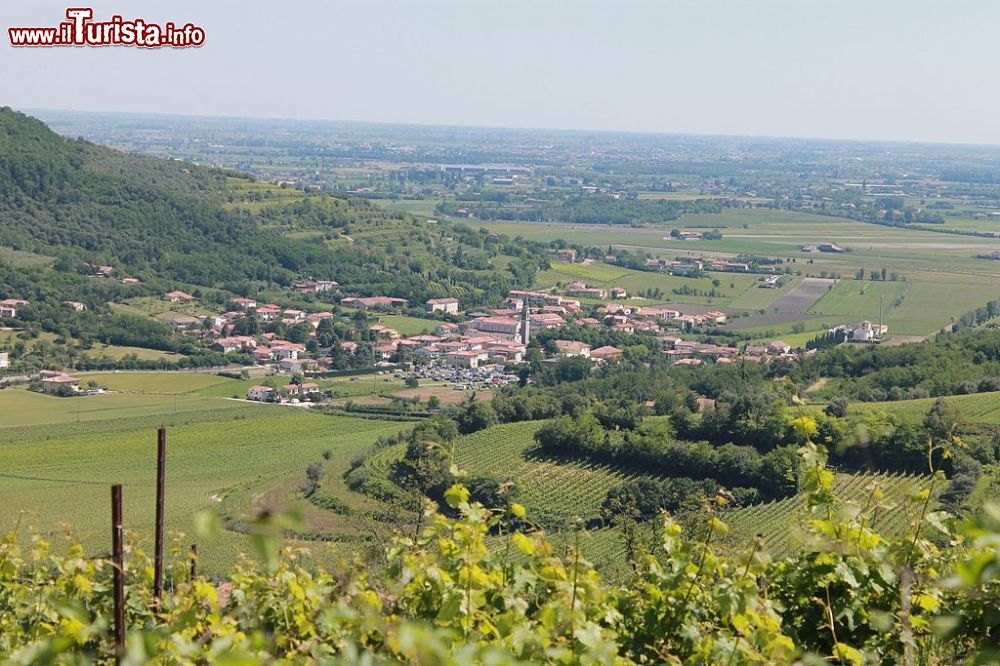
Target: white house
[449, 305]
[260, 393]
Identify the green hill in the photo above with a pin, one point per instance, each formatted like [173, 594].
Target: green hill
[82, 203]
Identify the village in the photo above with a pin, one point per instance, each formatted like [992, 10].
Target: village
[467, 351]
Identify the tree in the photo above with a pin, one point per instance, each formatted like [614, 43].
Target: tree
[475, 415]
[941, 420]
[837, 407]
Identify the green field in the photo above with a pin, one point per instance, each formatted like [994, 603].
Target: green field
[20, 407]
[156, 307]
[781, 522]
[62, 476]
[408, 326]
[22, 259]
[559, 490]
[157, 382]
[733, 287]
[974, 408]
[861, 299]
[118, 352]
[938, 277]
[415, 206]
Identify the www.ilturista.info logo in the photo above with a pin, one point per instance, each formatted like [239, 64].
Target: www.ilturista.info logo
[80, 30]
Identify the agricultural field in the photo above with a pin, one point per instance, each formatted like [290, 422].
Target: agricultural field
[973, 408]
[157, 308]
[409, 325]
[415, 206]
[20, 407]
[780, 522]
[937, 277]
[118, 352]
[550, 488]
[156, 382]
[62, 476]
[557, 492]
[22, 259]
[732, 285]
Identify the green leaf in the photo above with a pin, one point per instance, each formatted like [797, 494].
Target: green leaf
[456, 496]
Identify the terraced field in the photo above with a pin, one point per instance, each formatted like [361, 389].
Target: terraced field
[550, 488]
[557, 492]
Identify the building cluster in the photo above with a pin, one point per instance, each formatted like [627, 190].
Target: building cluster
[864, 331]
[651, 319]
[687, 352]
[686, 264]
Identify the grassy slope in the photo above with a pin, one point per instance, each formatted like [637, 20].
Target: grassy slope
[19, 407]
[63, 477]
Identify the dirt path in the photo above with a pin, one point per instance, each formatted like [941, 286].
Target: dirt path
[817, 385]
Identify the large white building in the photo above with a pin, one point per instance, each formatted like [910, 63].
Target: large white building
[501, 325]
[449, 305]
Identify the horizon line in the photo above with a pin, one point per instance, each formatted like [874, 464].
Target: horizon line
[475, 126]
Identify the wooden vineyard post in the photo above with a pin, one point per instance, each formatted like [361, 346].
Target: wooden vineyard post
[117, 546]
[161, 463]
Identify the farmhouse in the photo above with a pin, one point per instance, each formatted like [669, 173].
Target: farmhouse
[261, 393]
[315, 286]
[449, 305]
[183, 323]
[581, 289]
[283, 349]
[60, 383]
[178, 297]
[619, 292]
[778, 347]
[567, 255]
[13, 302]
[295, 366]
[864, 331]
[268, 311]
[76, 305]
[316, 317]
[301, 390]
[244, 303]
[233, 344]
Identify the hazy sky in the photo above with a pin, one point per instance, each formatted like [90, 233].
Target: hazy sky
[921, 70]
